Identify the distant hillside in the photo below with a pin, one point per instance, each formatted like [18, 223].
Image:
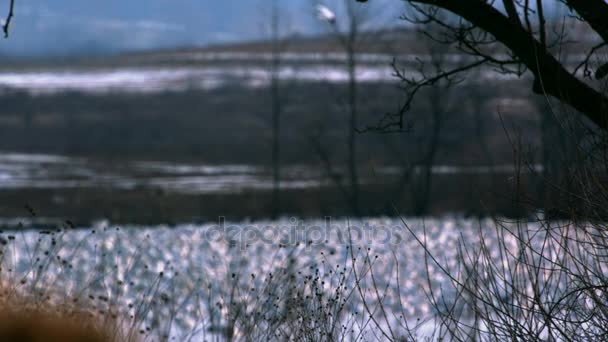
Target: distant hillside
[393, 42]
[70, 28]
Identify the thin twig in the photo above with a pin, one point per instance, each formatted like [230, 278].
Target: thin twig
[8, 20]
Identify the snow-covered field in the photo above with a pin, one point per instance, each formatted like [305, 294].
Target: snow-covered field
[175, 269]
[180, 71]
[41, 171]
[154, 80]
[175, 73]
[47, 171]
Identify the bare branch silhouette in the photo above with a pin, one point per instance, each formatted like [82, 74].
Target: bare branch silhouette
[9, 18]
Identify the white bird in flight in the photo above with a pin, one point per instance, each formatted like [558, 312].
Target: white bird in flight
[324, 13]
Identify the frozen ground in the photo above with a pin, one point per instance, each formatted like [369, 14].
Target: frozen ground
[207, 71]
[41, 171]
[180, 71]
[114, 267]
[154, 80]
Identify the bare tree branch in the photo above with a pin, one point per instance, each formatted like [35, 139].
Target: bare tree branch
[541, 23]
[594, 12]
[550, 76]
[392, 123]
[512, 11]
[585, 63]
[9, 18]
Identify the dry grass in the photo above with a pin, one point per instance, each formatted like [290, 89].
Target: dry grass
[24, 319]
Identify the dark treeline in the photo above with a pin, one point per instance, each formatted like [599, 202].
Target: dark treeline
[232, 125]
[480, 125]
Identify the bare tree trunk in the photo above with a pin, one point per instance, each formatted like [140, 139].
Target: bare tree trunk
[276, 112]
[478, 97]
[28, 119]
[348, 41]
[28, 125]
[352, 128]
[547, 128]
[421, 204]
[439, 98]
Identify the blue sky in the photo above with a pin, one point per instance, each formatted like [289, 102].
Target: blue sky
[59, 27]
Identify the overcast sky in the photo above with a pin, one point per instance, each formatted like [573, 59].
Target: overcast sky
[42, 27]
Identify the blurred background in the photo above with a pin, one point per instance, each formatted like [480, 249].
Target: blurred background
[158, 111]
